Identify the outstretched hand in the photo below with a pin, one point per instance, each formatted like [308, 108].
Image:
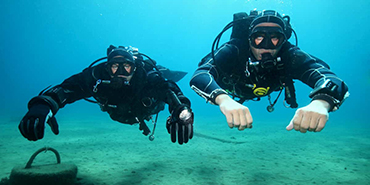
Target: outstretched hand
[312, 117]
[180, 126]
[237, 115]
[33, 123]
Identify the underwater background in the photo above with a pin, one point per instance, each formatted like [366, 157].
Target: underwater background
[44, 42]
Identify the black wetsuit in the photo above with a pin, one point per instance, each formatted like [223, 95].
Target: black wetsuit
[231, 71]
[146, 95]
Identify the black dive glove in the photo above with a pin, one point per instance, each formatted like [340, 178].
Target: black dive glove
[180, 124]
[32, 125]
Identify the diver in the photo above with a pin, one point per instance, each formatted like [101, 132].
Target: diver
[259, 60]
[128, 87]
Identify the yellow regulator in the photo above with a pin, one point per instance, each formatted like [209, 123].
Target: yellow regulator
[260, 91]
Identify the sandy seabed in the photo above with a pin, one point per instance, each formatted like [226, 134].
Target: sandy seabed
[109, 153]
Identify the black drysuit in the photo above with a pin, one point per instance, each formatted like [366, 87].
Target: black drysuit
[146, 95]
[232, 71]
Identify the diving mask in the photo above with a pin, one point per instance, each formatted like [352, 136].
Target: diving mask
[121, 67]
[266, 37]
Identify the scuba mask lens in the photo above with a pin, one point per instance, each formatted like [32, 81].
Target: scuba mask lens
[124, 69]
[267, 37]
[120, 66]
[121, 74]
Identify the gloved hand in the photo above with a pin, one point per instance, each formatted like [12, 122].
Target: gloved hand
[181, 122]
[32, 125]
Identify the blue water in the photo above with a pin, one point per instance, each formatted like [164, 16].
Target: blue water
[44, 42]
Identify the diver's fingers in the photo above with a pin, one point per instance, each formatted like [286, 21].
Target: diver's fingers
[229, 119]
[180, 133]
[191, 131]
[31, 129]
[297, 119]
[304, 124]
[173, 128]
[249, 118]
[243, 119]
[322, 122]
[23, 126]
[290, 126]
[314, 122]
[236, 117]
